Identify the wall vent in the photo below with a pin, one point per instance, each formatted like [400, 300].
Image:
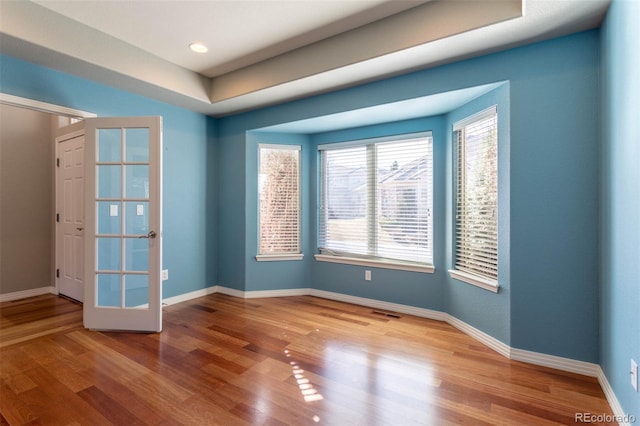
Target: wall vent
[387, 314]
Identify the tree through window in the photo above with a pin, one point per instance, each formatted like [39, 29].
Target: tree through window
[279, 199]
[476, 165]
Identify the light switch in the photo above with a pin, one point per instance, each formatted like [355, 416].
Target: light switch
[140, 209]
[113, 210]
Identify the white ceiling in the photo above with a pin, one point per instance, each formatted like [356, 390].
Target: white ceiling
[263, 52]
[238, 33]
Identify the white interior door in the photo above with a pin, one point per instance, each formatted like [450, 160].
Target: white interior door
[70, 214]
[123, 224]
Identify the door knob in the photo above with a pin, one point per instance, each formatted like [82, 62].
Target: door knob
[151, 234]
[79, 229]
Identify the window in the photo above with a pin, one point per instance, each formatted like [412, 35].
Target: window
[476, 198]
[376, 200]
[279, 202]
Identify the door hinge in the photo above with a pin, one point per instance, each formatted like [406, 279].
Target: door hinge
[57, 162]
[57, 217]
[57, 273]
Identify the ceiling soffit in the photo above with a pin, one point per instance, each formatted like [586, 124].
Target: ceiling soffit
[432, 33]
[415, 27]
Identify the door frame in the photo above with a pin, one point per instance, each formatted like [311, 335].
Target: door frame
[54, 110]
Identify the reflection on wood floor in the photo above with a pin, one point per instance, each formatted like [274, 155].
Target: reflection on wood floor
[294, 360]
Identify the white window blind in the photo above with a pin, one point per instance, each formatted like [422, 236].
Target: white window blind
[279, 199]
[376, 199]
[476, 249]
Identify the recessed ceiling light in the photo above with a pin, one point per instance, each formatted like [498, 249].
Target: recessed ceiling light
[198, 47]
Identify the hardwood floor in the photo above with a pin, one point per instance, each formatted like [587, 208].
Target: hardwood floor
[294, 360]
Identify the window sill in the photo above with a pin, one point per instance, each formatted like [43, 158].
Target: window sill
[278, 257]
[401, 266]
[487, 284]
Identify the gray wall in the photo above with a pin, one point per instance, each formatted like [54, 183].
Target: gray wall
[26, 175]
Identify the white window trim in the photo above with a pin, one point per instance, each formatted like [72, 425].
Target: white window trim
[476, 280]
[487, 284]
[278, 257]
[274, 257]
[280, 146]
[376, 263]
[380, 262]
[381, 139]
[491, 111]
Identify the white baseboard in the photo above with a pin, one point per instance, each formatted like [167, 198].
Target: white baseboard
[618, 412]
[16, 295]
[481, 336]
[559, 363]
[230, 292]
[490, 341]
[188, 296]
[551, 361]
[258, 294]
[379, 304]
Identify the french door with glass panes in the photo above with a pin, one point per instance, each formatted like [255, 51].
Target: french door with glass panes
[123, 224]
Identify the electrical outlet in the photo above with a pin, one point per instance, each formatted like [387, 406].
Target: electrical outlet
[367, 275]
[165, 274]
[634, 375]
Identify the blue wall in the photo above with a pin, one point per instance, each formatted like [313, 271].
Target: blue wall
[550, 297]
[279, 274]
[554, 197]
[408, 288]
[487, 311]
[231, 225]
[189, 214]
[620, 203]
[549, 188]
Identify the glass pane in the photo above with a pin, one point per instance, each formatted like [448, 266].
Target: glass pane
[109, 145]
[136, 254]
[403, 186]
[136, 288]
[109, 256]
[137, 145]
[344, 221]
[137, 218]
[109, 181]
[108, 291]
[279, 200]
[137, 184]
[109, 217]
